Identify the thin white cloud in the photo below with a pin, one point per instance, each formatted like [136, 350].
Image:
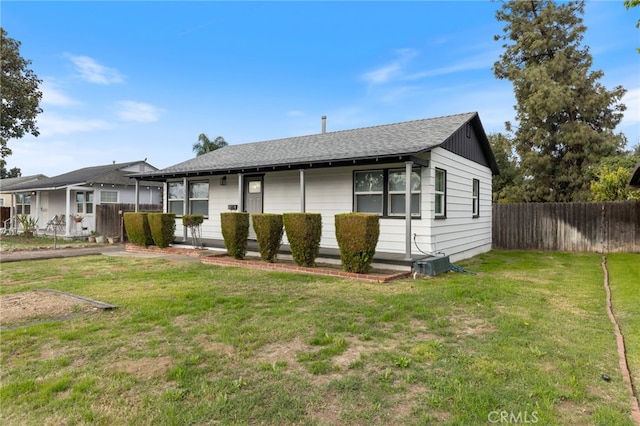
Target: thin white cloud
[90, 70]
[632, 100]
[53, 95]
[138, 112]
[393, 70]
[295, 113]
[52, 124]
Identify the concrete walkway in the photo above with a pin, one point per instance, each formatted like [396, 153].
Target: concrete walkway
[20, 255]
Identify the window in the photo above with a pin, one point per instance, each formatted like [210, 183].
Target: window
[397, 188]
[108, 196]
[23, 203]
[84, 202]
[199, 198]
[176, 198]
[383, 192]
[476, 198]
[368, 191]
[441, 193]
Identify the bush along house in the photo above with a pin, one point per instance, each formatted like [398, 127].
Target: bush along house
[448, 195]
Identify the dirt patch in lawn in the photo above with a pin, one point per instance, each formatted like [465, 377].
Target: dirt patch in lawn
[32, 306]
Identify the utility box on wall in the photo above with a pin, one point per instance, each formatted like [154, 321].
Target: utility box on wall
[432, 265]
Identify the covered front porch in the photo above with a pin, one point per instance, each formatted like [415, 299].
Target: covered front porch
[381, 260]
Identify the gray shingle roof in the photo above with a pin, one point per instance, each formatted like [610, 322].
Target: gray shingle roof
[389, 140]
[111, 174]
[7, 184]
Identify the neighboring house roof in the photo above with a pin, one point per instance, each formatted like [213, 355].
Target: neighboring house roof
[385, 142]
[6, 184]
[635, 177]
[111, 174]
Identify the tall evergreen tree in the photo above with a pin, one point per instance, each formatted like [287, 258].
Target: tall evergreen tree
[566, 118]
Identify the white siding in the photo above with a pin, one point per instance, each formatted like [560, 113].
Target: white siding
[329, 191]
[460, 235]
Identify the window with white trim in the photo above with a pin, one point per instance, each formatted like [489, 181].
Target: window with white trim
[368, 191]
[108, 197]
[199, 198]
[84, 202]
[397, 189]
[440, 189]
[23, 203]
[176, 198]
[476, 198]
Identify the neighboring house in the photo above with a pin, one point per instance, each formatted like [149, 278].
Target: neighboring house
[6, 184]
[635, 177]
[75, 194]
[361, 170]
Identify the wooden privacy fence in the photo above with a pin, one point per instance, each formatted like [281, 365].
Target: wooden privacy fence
[607, 227]
[109, 221]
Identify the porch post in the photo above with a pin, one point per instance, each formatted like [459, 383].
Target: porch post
[68, 220]
[303, 207]
[137, 195]
[185, 205]
[240, 192]
[37, 206]
[407, 209]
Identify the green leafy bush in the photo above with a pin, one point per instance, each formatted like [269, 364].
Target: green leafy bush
[136, 224]
[163, 228]
[357, 235]
[269, 232]
[303, 232]
[190, 220]
[29, 225]
[235, 231]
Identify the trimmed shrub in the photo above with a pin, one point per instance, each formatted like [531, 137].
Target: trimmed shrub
[269, 232]
[303, 232]
[235, 231]
[357, 235]
[136, 224]
[190, 220]
[163, 228]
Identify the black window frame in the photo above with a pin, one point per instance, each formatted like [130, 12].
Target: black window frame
[385, 193]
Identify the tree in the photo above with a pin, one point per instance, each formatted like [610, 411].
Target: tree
[20, 95]
[14, 172]
[611, 177]
[507, 186]
[565, 116]
[633, 3]
[205, 145]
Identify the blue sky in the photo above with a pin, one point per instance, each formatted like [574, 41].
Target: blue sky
[124, 81]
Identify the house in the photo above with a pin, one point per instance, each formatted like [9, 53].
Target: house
[6, 199]
[6, 184]
[361, 170]
[635, 177]
[77, 193]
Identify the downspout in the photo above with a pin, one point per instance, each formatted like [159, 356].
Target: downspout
[303, 206]
[407, 209]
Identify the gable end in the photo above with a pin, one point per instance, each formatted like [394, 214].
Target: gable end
[472, 144]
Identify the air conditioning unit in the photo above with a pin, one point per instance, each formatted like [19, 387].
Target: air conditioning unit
[433, 265]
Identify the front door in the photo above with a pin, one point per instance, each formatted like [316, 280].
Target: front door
[253, 199]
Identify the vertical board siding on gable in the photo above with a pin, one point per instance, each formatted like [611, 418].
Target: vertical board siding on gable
[460, 235]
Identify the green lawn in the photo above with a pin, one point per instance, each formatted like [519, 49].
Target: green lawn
[18, 242]
[528, 337]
